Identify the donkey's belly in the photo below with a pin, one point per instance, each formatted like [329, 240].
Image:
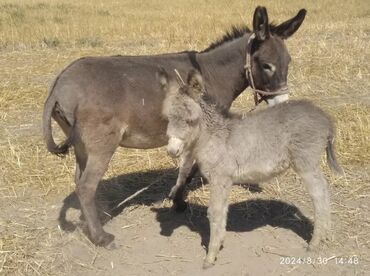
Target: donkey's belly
[144, 132]
[140, 140]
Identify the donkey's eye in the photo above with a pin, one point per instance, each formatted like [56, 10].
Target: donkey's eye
[269, 68]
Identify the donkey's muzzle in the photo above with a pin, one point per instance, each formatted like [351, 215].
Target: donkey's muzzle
[282, 96]
[175, 147]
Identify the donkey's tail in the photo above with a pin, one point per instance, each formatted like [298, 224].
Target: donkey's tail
[332, 159]
[52, 147]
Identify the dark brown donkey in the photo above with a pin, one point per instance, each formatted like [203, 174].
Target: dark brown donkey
[102, 103]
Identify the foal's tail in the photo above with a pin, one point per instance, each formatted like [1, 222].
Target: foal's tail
[52, 147]
[332, 159]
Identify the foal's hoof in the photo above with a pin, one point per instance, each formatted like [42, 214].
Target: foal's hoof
[105, 240]
[314, 248]
[208, 264]
[180, 207]
[317, 243]
[173, 192]
[111, 246]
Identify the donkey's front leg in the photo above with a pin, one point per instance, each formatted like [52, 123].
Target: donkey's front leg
[177, 191]
[217, 215]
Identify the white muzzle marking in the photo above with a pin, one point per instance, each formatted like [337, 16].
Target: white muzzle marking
[278, 99]
[175, 147]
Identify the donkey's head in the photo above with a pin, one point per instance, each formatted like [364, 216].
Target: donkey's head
[267, 56]
[181, 109]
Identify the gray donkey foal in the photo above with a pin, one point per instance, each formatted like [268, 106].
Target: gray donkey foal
[231, 149]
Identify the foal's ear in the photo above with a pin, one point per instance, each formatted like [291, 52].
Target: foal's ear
[287, 28]
[195, 84]
[261, 23]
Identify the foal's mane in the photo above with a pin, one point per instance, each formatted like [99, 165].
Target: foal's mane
[210, 101]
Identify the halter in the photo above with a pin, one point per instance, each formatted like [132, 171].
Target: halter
[248, 68]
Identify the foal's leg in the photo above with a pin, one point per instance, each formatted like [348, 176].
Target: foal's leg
[319, 192]
[217, 215]
[178, 191]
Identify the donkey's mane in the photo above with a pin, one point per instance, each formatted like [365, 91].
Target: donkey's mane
[235, 32]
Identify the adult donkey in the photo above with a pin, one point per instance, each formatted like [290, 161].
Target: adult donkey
[105, 102]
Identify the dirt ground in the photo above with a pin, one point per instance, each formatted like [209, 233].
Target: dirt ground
[269, 224]
[265, 236]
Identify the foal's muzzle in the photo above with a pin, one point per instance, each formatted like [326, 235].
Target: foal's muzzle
[175, 147]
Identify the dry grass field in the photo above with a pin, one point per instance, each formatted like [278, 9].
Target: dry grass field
[330, 65]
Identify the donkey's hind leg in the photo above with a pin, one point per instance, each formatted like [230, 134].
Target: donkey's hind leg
[96, 166]
[186, 171]
[319, 191]
[96, 138]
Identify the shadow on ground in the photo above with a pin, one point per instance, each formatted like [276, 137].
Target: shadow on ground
[111, 192]
[243, 216]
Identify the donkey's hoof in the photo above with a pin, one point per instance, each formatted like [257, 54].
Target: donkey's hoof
[105, 240]
[67, 226]
[208, 264]
[180, 207]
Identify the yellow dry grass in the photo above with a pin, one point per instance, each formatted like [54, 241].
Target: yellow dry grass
[38, 38]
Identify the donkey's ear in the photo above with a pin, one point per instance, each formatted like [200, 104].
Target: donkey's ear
[287, 28]
[195, 84]
[261, 23]
[163, 78]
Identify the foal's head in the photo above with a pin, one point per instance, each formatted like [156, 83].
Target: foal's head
[182, 110]
[269, 57]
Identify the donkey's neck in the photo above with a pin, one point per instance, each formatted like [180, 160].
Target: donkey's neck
[223, 70]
